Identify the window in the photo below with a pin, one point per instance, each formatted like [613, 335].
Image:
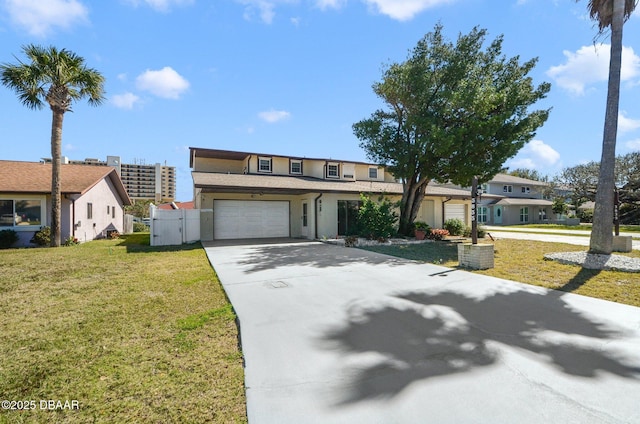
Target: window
[482, 213]
[373, 173]
[295, 167]
[113, 211]
[526, 189]
[542, 214]
[524, 214]
[89, 210]
[108, 210]
[507, 189]
[20, 212]
[305, 215]
[332, 170]
[264, 164]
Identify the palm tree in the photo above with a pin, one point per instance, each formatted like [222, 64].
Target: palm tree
[608, 14]
[56, 77]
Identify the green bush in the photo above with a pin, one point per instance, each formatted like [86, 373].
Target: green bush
[139, 227]
[420, 225]
[455, 226]
[585, 215]
[42, 237]
[376, 220]
[7, 238]
[481, 232]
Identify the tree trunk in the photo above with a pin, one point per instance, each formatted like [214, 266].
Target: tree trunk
[410, 205]
[56, 158]
[602, 233]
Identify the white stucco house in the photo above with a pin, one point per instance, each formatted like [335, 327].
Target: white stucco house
[93, 200]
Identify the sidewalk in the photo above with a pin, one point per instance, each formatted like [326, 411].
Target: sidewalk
[580, 238]
[515, 229]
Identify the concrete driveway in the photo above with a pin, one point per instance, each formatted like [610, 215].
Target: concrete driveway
[342, 335]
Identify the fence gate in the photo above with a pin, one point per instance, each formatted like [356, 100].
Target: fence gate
[173, 227]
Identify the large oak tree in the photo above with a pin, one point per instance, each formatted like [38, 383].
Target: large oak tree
[452, 112]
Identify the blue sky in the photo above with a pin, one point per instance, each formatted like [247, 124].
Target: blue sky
[292, 76]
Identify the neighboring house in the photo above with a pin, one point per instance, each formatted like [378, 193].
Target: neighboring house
[176, 205]
[510, 200]
[92, 200]
[251, 195]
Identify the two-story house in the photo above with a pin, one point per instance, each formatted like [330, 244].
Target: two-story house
[254, 195]
[510, 200]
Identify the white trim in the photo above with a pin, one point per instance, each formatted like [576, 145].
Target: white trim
[267, 159]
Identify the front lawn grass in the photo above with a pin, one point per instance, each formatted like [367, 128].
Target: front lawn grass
[523, 261]
[133, 333]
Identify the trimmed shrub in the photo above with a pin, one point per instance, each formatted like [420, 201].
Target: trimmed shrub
[376, 220]
[7, 238]
[42, 237]
[455, 226]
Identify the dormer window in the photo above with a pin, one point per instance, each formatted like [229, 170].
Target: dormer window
[264, 164]
[333, 170]
[295, 167]
[373, 173]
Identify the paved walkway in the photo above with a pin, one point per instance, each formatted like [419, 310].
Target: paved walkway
[342, 335]
[540, 234]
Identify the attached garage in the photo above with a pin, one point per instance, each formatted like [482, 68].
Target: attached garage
[243, 219]
[455, 211]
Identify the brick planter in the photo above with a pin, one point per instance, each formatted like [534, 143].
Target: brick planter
[622, 243]
[475, 256]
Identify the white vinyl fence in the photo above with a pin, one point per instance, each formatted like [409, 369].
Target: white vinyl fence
[173, 227]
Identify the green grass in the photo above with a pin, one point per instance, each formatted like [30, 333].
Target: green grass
[523, 261]
[133, 333]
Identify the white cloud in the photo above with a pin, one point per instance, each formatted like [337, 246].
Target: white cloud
[330, 4]
[125, 101]
[627, 124]
[535, 155]
[404, 10]
[590, 65]
[161, 5]
[264, 9]
[40, 17]
[165, 83]
[633, 144]
[273, 116]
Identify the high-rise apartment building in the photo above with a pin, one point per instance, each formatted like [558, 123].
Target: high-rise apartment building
[143, 182]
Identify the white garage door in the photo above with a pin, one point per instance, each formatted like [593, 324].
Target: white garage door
[240, 219]
[453, 211]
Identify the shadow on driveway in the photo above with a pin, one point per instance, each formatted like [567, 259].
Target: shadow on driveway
[419, 336]
[267, 257]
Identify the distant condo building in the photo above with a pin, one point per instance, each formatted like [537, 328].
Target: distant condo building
[143, 182]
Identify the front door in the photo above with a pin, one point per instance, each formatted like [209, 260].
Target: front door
[497, 214]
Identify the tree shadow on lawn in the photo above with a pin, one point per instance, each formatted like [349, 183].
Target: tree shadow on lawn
[419, 335]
